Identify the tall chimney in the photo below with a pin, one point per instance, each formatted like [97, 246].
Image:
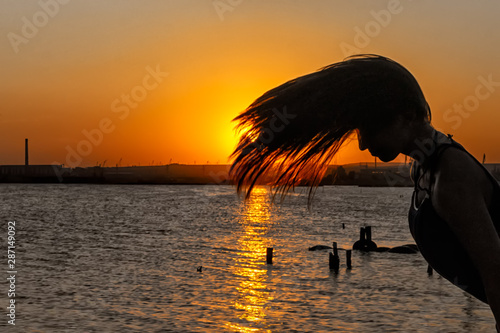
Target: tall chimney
[26, 162]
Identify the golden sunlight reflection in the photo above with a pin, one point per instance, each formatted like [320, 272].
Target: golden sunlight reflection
[250, 267]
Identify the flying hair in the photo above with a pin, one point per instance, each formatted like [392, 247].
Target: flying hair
[290, 134]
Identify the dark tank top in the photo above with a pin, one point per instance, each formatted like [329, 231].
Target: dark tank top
[435, 239]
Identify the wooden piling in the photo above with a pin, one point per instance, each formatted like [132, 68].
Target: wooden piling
[334, 258]
[348, 258]
[343, 226]
[368, 233]
[369, 244]
[334, 262]
[269, 256]
[360, 244]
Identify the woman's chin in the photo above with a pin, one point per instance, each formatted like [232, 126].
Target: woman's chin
[385, 158]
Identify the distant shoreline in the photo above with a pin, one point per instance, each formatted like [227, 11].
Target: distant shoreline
[358, 174]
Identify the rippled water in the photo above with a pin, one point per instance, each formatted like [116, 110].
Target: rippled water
[99, 258]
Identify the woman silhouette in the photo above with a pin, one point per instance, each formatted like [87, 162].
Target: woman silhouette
[291, 133]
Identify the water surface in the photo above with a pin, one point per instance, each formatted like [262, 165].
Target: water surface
[101, 258]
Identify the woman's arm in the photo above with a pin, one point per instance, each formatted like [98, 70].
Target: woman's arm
[459, 197]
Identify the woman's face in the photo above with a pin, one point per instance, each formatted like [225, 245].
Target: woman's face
[386, 143]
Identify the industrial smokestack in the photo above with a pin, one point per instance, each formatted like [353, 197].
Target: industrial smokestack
[26, 161]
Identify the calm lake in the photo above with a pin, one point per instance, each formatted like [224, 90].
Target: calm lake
[102, 258]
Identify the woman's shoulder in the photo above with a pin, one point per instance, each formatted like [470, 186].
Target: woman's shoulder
[427, 167]
[458, 172]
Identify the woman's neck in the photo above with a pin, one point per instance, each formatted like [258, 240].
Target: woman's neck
[423, 143]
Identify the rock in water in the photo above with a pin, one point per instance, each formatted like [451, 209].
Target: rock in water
[319, 247]
[382, 249]
[403, 249]
[364, 245]
[413, 246]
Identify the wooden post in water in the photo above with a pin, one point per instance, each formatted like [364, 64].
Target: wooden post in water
[362, 234]
[348, 258]
[369, 244]
[334, 260]
[368, 232]
[269, 256]
[360, 244]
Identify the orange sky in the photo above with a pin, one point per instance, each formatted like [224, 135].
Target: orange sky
[189, 67]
